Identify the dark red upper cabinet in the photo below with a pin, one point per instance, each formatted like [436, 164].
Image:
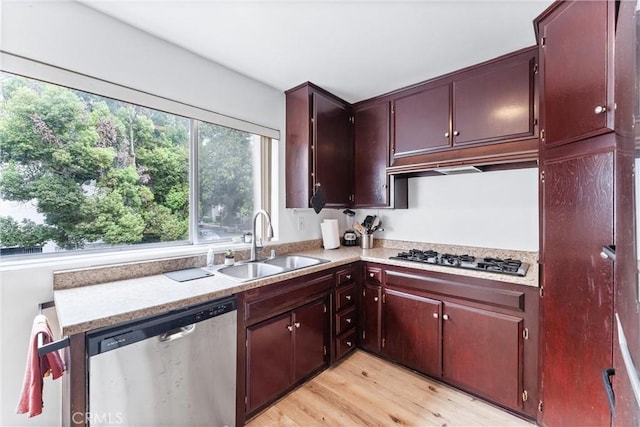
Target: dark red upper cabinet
[576, 62]
[319, 147]
[468, 116]
[496, 102]
[421, 121]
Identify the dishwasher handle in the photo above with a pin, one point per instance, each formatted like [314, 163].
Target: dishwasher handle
[177, 333]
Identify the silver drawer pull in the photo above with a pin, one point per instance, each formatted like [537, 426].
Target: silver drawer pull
[435, 315]
[375, 299]
[177, 333]
[348, 320]
[372, 275]
[348, 277]
[347, 297]
[445, 317]
[349, 343]
[600, 109]
[290, 328]
[297, 324]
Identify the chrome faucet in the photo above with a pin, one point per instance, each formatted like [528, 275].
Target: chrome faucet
[254, 246]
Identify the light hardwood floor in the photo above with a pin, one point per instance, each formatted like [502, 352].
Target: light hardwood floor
[364, 390]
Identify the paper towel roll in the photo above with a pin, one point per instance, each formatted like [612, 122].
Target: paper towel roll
[330, 234]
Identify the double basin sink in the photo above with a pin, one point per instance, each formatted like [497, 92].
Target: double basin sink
[258, 269]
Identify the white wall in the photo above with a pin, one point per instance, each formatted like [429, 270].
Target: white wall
[72, 36]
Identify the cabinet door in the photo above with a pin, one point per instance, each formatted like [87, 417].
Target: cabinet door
[482, 351]
[371, 140]
[421, 122]
[577, 307]
[332, 150]
[268, 360]
[412, 331]
[310, 328]
[496, 103]
[576, 50]
[371, 317]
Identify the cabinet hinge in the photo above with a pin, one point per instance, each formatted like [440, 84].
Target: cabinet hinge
[525, 396]
[525, 333]
[540, 406]
[312, 119]
[542, 135]
[541, 291]
[352, 119]
[542, 176]
[543, 41]
[393, 108]
[383, 342]
[324, 307]
[535, 122]
[535, 68]
[324, 350]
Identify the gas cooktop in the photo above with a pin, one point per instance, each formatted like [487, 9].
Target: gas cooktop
[509, 266]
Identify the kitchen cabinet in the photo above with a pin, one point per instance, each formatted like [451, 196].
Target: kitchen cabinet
[421, 121]
[286, 336]
[482, 352]
[371, 310]
[475, 334]
[412, 331]
[576, 62]
[372, 186]
[577, 194]
[473, 109]
[345, 311]
[319, 147]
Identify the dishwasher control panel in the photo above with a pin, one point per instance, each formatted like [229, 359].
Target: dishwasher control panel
[113, 337]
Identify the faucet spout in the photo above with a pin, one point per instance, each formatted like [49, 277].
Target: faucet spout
[254, 244]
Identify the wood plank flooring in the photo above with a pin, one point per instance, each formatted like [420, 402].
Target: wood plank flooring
[364, 390]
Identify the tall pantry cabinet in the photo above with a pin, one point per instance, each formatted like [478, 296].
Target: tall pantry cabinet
[577, 167]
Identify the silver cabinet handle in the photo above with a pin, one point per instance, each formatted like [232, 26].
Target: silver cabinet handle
[178, 333]
[297, 324]
[372, 275]
[600, 109]
[446, 134]
[456, 133]
[375, 299]
[348, 277]
[435, 315]
[348, 320]
[445, 317]
[349, 343]
[603, 255]
[290, 328]
[347, 297]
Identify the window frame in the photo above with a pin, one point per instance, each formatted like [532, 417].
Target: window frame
[62, 77]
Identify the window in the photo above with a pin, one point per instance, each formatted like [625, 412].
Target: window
[83, 171]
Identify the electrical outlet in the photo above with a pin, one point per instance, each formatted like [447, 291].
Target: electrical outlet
[300, 223]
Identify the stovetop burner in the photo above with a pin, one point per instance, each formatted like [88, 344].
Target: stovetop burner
[510, 266]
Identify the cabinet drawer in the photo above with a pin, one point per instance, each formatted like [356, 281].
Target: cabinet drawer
[345, 320]
[345, 276]
[373, 274]
[345, 343]
[345, 297]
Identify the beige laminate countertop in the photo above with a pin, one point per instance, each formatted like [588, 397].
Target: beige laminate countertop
[84, 308]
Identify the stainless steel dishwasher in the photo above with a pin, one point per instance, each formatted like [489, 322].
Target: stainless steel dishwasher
[176, 369]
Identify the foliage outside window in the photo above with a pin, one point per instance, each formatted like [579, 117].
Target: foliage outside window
[82, 171]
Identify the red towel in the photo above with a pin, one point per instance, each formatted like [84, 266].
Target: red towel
[37, 368]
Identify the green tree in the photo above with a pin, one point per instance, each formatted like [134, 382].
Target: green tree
[225, 172]
[95, 167]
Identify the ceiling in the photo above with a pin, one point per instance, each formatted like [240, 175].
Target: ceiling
[355, 49]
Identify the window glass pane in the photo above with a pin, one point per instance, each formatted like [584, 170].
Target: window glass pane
[82, 171]
[226, 175]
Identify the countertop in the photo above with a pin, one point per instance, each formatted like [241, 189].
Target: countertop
[84, 308]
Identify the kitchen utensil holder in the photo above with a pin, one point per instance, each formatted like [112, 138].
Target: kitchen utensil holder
[366, 241]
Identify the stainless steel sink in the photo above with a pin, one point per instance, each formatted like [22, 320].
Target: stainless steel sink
[249, 271]
[293, 262]
[256, 270]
